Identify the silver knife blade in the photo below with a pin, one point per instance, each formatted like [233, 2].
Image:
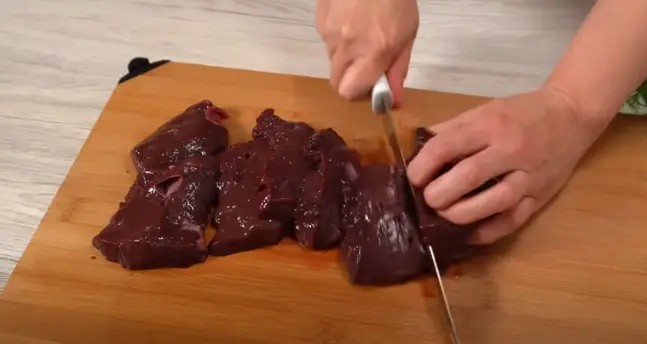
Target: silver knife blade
[382, 101]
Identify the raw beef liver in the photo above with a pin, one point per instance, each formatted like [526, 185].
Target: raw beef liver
[318, 213]
[242, 220]
[162, 220]
[286, 167]
[196, 131]
[286, 181]
[381, 245]
[279, 132]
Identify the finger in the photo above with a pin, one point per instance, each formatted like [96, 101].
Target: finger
[398, 73]
[446, 147]
[331, 49]
[360, 77]
[503, 196]
[322, 10]
[504, 224]
[466, 176]
[339, 63]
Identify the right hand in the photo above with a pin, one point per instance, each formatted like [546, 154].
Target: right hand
[365, 39]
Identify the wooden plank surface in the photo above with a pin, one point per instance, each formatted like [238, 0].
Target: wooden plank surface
[59, 61]
[576, 274]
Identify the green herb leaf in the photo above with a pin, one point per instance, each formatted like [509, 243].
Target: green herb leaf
[639, 98]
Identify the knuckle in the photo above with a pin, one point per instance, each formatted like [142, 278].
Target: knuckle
[438, 149]
[382, 48]
[320, 27]
[325, 29]
[516, 221]
[471, 173]
[382, 45]
[456, 217]
[347, 33]
[519, 217]
[508, 195]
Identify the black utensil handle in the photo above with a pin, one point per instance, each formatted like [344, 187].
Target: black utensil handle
[140, 65]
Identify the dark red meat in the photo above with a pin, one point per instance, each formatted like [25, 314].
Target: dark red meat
[162, 220]
[286, 181]
[196, 131]
[318, 213]
[281, 133]
[381, 245]
[243, 222]
[286, 167]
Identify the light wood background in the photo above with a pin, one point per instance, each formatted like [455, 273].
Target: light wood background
[60, 60]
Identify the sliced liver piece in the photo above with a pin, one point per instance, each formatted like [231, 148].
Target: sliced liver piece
[448, 240]
[281, 133]
[197, 131]
[162, 220]
[190, 206]
[381, 245]
[286, 167]
[318, 213]
[243, 195]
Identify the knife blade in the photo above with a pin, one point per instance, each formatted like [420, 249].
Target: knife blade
[382, 102]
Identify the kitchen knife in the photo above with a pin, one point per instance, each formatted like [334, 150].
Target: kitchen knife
[382, 101]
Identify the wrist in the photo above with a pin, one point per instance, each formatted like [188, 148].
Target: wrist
[594, 113]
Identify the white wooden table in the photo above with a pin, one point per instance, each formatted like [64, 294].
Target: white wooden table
[60, 60]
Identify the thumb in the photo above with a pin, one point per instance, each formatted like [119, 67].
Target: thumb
[398, 73]
[360, 77]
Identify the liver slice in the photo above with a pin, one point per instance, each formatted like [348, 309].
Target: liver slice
[286, 181]
[197, 131]
[318, 215]
[242, 220]
[381, 245]
[162, 220]
[260, 185]
[286, 166]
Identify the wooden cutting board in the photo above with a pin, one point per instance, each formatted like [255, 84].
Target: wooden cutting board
[576, 274]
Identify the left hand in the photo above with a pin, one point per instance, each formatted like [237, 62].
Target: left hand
[536, 139]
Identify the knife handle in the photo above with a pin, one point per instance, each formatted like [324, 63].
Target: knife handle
[381, 97]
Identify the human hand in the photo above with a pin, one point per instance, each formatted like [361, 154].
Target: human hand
[365, 39]
[534, 139]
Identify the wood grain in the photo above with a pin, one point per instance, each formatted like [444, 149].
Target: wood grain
[60, 60]
[575, 274]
